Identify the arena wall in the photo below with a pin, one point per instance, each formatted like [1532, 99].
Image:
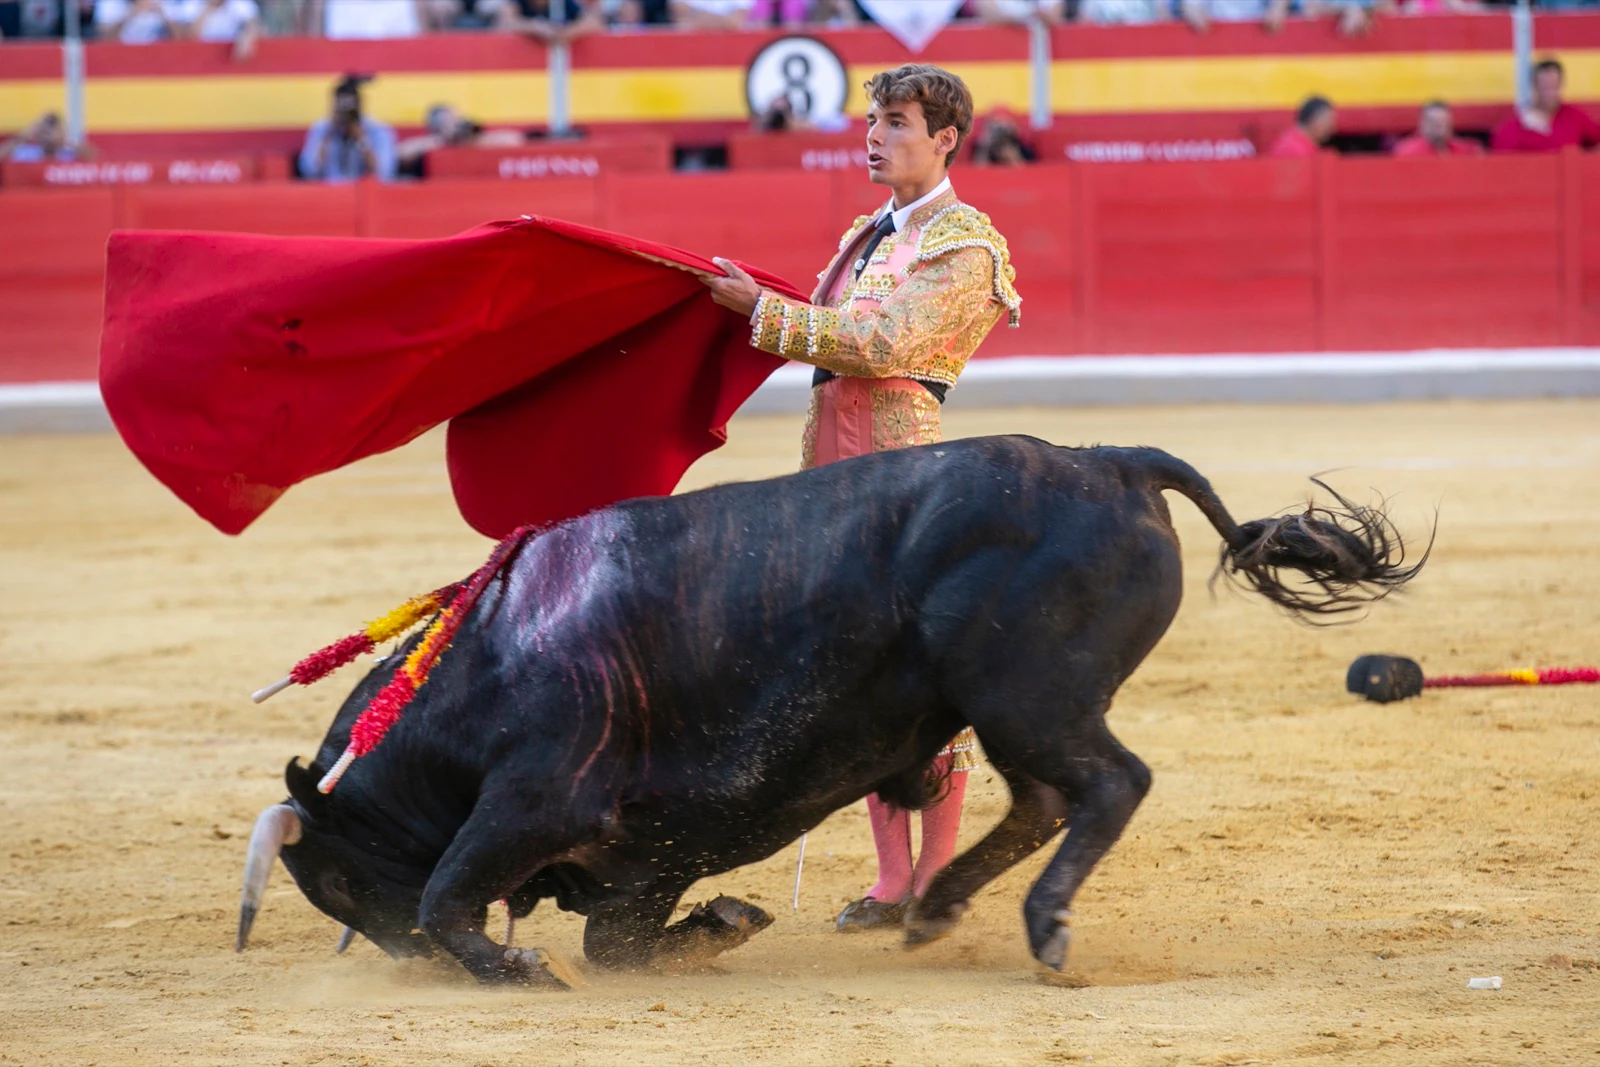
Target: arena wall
[1334, 254]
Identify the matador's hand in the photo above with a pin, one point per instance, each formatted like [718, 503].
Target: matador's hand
[738, 291]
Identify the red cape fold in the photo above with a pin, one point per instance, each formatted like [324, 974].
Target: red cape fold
[574, 371]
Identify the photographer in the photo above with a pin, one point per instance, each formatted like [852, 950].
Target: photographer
[348, 145]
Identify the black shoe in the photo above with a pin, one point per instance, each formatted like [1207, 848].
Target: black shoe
[870, 914]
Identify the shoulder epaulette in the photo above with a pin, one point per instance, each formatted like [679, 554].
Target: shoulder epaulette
[962, 226]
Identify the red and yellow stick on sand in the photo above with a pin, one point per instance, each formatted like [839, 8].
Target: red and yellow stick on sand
[1388, 678]
[1547, 676]
[449, 606]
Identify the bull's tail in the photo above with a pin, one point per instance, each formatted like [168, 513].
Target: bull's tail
[1346, 555]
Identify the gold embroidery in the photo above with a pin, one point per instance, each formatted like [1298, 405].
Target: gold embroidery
[808, 436]
[960, 227]
[903, 417]
[923, 321]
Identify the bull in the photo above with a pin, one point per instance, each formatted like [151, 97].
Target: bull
[669, 688]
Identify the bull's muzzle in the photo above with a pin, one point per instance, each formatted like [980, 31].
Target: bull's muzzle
[279, 825]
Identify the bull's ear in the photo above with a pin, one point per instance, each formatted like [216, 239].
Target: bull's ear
[302, 783]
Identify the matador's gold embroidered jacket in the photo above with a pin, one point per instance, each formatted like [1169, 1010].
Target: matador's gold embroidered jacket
[929, 295]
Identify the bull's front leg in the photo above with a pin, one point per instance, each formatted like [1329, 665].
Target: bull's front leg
[498, 848]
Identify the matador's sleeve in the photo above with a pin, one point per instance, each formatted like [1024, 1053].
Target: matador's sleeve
[924, 315]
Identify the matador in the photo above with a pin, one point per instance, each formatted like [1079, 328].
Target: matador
[912, 291]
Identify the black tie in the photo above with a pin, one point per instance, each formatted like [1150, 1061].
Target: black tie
[881, 229]
[884, 227]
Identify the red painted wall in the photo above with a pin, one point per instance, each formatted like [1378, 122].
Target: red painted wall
[1252, 256]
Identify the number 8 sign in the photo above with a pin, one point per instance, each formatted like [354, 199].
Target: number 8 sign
[805, 71]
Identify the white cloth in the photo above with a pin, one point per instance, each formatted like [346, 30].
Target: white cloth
[369, 20]
[141, 27]
[223, 24]
[902, 215]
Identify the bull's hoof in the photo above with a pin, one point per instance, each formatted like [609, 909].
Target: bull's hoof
[870, 914]
[1053, 951]
[710, 930]
[536, 967]
[737, 919]
[924, 931]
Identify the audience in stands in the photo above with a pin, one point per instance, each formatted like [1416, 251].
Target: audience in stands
[371, 20]
[999, 143]
[795, 14]
[43, 141]
[1020, 12]
[449, 128]
[546, 20]
[1435, 135]
[712, 14]
[1442, 7]
[235, 21]
[1123, 12]
[136, 21]
[1354, 17]
[1200, 14]
[348, 144]
[1546, 124]
[1314, 124]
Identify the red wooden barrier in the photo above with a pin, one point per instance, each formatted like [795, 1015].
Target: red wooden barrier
[1253, 256]
[178, 170]
[798, 151]
[555, 159]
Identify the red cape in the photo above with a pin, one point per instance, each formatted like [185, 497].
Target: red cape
[574, 371]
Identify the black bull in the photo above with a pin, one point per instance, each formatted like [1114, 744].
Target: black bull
[670, 688]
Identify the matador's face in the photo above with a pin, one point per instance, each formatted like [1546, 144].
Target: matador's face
[900, 149]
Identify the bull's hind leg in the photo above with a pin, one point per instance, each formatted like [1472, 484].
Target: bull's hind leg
[1102, 783]
[1037, 814]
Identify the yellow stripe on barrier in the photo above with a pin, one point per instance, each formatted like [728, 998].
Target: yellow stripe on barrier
[276, 101]
[679, 94]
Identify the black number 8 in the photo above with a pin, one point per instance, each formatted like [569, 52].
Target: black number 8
[797, 83]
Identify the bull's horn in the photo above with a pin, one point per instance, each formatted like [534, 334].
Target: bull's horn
[345, 938]
[267, 692]
[279, 825]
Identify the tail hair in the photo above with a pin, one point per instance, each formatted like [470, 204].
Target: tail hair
[1347, 556]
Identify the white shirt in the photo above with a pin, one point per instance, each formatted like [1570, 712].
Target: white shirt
[902, 215]
[144, 27]
[368, 20]
[223, 24]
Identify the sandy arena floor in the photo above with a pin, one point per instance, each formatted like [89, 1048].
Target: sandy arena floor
[1312, 879]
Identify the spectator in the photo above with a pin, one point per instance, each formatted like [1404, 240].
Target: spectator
[834, 14]
[712, 14]
[1021, 12]
[1356, 17]
[1435, 135]
[546, 20]
[1200, 14]
[448, 128]
[348, 145]
[35, 19]
[136, 21]
[1314, 125]
[790, 14]
[1546, 124]
[1442, 7]
[370, 20]
[630, 13]
[1000, 144]
[1123, 12]
[44, 140]
[236, 21]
